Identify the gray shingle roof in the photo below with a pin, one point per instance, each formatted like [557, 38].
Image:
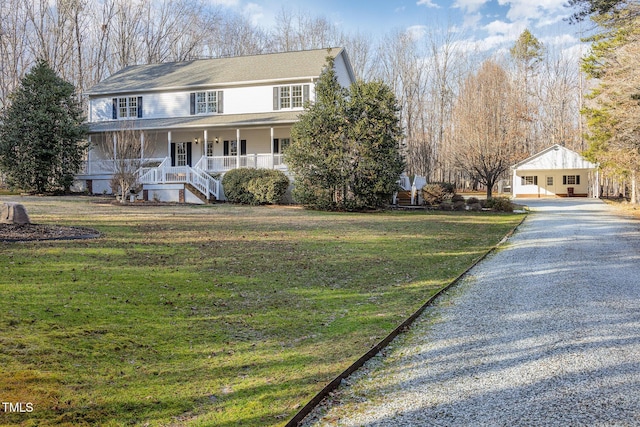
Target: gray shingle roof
[213, 72]
[229, 120]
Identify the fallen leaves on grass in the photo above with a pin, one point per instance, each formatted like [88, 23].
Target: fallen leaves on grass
[26, 232]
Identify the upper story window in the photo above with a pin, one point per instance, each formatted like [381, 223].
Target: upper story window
[288, 97]
[206, 102]
[127, 107]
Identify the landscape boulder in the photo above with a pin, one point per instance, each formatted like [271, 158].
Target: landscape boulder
[14, 213]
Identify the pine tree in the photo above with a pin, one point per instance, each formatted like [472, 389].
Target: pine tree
[613, 112]
[42, 135]
[527, 53]
[344, 150]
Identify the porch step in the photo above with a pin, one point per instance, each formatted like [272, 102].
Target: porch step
[404, 198]
[199, 195]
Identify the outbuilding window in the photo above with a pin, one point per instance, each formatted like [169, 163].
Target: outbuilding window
[571, 179]
[529, 180]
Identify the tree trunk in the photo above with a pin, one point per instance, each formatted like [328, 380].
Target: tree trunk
[633, 187]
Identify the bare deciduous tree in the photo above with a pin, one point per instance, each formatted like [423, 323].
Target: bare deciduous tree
[558, 102]
[400, 64]
[300, 31]
[127, 151]
[485, 134]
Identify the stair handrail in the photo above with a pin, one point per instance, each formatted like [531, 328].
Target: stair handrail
[204, 183]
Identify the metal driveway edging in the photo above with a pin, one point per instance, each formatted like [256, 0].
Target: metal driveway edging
[403, 327]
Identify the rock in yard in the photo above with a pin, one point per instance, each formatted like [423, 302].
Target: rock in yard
[14, 213]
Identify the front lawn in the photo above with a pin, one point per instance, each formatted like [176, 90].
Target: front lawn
[211, 315]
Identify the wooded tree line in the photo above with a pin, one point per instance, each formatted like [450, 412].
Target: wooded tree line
[435, 77]
[613, 106]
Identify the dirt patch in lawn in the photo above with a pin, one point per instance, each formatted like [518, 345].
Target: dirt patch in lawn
[28, 232]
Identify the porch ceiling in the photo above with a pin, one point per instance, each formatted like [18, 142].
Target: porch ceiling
[195, 122]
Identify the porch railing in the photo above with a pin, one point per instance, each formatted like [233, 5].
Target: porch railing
[107, 167]
[166, 174]
[210, 164]
[226, 163]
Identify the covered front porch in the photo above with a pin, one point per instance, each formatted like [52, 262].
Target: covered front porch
[212, 154]
[171, 156]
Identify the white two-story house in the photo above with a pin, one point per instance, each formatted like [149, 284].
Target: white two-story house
[197, 119]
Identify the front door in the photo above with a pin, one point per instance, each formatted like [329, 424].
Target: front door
[181, 154]
[230, 152]
[549, 187]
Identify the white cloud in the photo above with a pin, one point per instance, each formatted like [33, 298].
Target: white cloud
[226, 3]
[560, 40]
[469, 6]
[576, 51]
[428, 3]
[417, 32]
[508, 29]
[254, 13]
[552, 20]
[545, 12]
[471, 20]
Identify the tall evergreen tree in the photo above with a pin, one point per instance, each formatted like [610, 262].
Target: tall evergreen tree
[344, 152]
[42, 135]
[613, 113]
[527, 53]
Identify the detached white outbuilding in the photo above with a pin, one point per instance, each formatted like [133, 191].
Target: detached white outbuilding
[555, 172]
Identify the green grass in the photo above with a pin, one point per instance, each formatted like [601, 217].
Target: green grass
[211, 315]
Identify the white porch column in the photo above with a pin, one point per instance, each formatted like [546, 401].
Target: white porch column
[513, 185]
[206, 143]
[89, 156]
[115, 146]
[273, 160]
[169, 144]
[238, 147]
[141, 146]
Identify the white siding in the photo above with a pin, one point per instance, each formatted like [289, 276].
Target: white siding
[238, 100]
[163, 105]
[341, 71]
[248, 100]
[555, 187]
[100, 109]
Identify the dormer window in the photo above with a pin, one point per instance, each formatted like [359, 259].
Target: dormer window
[207, 102]
[290, 97]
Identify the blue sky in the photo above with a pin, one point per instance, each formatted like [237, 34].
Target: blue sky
[488, 24]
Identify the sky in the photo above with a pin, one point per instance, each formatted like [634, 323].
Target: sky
[488, 24]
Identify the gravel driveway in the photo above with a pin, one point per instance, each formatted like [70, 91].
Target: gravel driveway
[544, 332]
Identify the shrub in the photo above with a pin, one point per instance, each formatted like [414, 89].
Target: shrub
[500, 204]
[472, 201]
[235, 182]
[475, 207]
[459, 205]
[445, 206]
[270, 187]
[457, 198]
[255, 186]
[437, 192]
